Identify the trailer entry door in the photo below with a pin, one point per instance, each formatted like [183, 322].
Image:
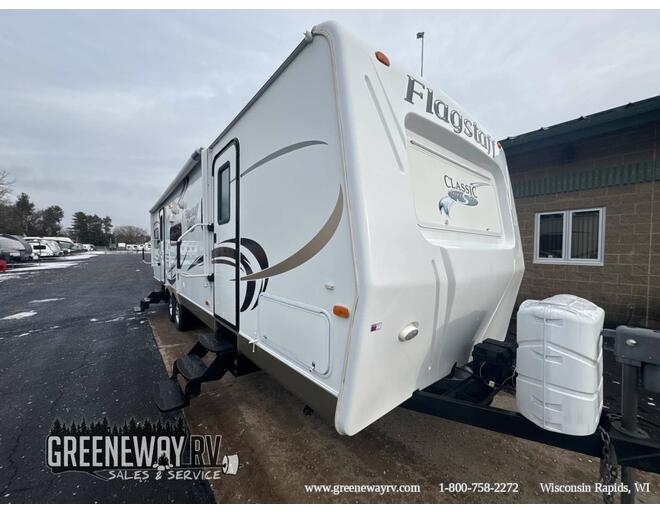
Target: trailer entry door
[226, 251]
[160, 248]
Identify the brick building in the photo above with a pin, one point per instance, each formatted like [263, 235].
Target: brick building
[587, 193]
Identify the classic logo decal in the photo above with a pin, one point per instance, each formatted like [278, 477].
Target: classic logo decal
[464, 193]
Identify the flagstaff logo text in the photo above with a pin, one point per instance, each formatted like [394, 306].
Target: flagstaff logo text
[459, 123]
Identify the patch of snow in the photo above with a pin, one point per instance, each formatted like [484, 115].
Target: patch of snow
[115, 319]
[4, 277]
[93, 320]
[23, 335]
[78, 257]
[43, 266]
[20, 315]
[46, 300]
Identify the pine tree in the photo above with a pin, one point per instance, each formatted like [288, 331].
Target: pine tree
[181, 427]
[57, 428]
[24, 209]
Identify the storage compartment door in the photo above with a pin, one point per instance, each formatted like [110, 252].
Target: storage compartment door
[299, 333]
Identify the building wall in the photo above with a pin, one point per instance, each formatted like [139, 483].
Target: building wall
[630, 275]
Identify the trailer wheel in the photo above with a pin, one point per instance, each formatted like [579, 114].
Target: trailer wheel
[181, 317]
[171, 306]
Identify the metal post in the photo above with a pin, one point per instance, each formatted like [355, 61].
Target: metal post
[420, 35]
[422, 70]
[629, 406]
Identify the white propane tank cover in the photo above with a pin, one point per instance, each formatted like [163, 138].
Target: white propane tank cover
[560, 363]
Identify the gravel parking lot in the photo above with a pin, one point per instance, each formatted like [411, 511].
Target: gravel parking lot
[74, 349]
[282, 451]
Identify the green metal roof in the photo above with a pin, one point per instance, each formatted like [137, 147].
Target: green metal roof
[631, 115]
[580, 180]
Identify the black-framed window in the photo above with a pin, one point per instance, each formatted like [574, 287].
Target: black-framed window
[224, 198]
[175, 233]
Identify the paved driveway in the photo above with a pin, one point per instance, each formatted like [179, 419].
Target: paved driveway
[73, 349]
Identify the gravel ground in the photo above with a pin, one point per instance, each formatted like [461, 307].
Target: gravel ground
[281, 450]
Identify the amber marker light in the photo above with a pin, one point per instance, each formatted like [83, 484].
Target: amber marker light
[340, 310]
[382, 58]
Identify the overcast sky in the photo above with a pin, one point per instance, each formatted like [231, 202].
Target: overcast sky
[98, 110]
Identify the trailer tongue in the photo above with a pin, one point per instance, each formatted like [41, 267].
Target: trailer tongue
[618, 439]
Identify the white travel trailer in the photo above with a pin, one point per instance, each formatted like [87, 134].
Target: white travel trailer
[41, 247]
[53, 248]
[65, 243]
[352, 232]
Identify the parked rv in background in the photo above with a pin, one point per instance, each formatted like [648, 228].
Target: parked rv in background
[52, 246]
[17, 248]
[66, 244]
[40, 248]
[11, 250]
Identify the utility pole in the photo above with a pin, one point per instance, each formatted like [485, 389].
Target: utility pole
[420, 35]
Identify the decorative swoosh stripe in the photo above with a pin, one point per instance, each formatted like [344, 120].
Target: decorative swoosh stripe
[251, 257]
[314, 246]
[197, 262]
[282, 151]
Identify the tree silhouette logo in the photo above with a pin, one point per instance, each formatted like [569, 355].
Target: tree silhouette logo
[139, 446]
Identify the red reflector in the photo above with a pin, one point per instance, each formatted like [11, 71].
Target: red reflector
[382, 58]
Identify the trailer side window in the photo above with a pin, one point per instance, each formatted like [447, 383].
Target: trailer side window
[175, 233]
[223, 194]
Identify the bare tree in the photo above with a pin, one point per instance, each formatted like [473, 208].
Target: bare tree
[130, 234]
[5, 185]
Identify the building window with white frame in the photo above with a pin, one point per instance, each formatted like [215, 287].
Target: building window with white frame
[570, 237]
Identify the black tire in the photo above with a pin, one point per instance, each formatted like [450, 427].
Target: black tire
[171, 304]
[181, 317]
